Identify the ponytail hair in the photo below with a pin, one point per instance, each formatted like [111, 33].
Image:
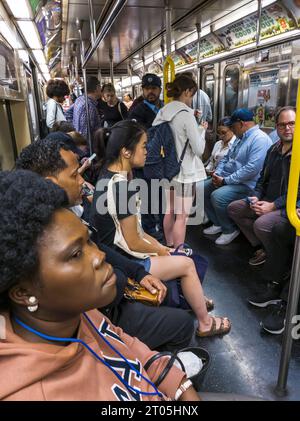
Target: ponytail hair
[108, 142]
[179, 85]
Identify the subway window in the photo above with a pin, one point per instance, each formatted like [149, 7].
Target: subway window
[232, 77]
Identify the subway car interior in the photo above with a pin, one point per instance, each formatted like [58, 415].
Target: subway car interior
[245, 56]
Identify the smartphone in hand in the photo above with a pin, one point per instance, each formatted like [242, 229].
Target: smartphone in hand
[92, 157]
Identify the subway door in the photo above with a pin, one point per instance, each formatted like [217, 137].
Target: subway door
[230, 92]
[8, 148]
[31, 105]
[209, 84]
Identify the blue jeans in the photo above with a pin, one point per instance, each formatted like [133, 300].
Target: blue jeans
[216, 201]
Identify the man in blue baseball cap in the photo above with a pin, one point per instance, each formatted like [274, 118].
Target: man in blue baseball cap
[236, 174]
[145, 112]
[241, 114]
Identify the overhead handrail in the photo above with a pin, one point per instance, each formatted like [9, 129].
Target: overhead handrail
[169, 75]
[116, 8]
[294, 289]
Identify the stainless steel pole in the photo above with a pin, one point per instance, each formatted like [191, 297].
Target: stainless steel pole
[198, 27]
[291, 310]
[99, 68]
[168, 26]
[92, 22]
[111, 17]
[111, 64]
[79, 25]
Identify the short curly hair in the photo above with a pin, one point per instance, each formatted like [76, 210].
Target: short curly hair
[57, 87]
[43, 156]
[27, 204]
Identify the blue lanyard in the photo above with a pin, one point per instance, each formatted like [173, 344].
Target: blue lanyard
[56, 339]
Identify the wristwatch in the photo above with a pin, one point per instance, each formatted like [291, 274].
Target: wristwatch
[223, 182]
[183, 388]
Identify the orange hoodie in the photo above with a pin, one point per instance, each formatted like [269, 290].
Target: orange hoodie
[48, 372]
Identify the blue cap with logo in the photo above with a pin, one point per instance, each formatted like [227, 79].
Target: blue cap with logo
[241, 114]
[150, 79]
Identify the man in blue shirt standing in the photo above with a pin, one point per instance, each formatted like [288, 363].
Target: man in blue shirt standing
[80, 115]
[236, 174]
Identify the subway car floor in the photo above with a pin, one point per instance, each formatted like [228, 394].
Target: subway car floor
[246, 361]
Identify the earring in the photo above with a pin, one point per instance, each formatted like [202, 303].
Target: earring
[34, 307]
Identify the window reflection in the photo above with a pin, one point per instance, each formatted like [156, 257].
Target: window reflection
[231, 89]
[209, 87]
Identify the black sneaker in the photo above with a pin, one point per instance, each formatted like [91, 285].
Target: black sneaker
[275, 321]
[270, 296]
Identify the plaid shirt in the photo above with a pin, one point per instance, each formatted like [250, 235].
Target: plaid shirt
[80, 116]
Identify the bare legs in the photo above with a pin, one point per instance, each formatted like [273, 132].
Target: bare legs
[177, 213]
[172, 267]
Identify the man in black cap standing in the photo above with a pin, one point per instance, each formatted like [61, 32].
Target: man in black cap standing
[145, 112]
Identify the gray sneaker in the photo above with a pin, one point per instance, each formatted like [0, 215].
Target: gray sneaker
[270, 296]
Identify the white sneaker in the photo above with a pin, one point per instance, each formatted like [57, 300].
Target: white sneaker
[214, 229]
[225, 239]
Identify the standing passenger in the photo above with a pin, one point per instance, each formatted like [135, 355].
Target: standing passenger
[56, 90]
[201, 102]
[146, 111]
[111, 110]
[180, 117]
[128, 101]
[80, 114]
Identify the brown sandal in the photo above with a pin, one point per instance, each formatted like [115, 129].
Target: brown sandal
[213, 330]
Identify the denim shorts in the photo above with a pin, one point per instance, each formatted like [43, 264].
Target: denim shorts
[144, 262]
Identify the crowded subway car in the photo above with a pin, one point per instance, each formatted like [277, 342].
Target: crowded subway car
[149, 200]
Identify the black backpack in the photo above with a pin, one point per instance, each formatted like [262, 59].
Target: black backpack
[162, 161]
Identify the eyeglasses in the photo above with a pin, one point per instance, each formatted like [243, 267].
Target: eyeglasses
[291, 124]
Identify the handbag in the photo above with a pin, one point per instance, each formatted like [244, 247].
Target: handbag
[198, 353]
[175, 297]
[136, 292]
[119, 239]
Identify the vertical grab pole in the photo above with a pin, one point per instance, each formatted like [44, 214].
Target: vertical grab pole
[294, 289]
[92, 22]
[169, 75]
[168, 27]
[111, 62]
[169, 66]
[79, 25]
[198, 27]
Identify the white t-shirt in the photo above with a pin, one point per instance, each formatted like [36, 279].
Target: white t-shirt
[54, 113]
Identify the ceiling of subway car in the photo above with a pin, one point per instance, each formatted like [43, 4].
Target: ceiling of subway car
[137, 30]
